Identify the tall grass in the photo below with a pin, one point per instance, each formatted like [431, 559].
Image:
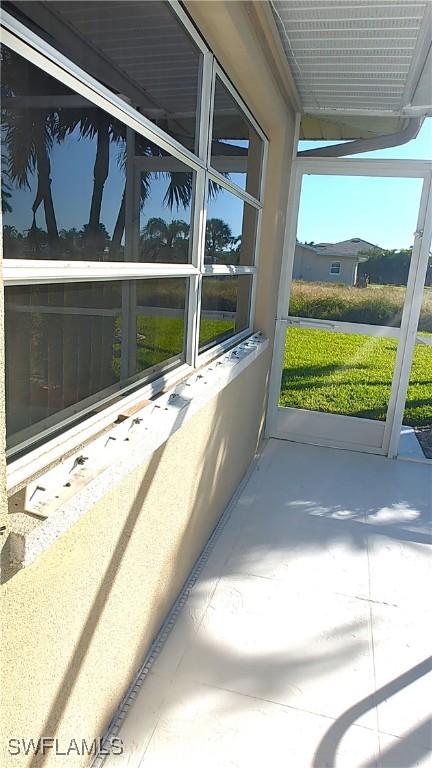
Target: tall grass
[374, 305]
[218, 293]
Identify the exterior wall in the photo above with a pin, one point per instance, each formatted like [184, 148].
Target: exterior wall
[312, 267]
[81, 618]
[78, 621]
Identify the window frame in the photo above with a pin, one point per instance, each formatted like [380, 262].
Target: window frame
[39, 53]
[219, 72]
[335, 264]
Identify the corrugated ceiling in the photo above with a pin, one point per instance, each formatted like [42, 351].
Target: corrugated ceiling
[360, 57]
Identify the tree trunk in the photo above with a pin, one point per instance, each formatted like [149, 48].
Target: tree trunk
[119, 225]
[100, 175]
[44, 188]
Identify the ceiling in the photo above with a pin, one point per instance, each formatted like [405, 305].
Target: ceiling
[360, 66]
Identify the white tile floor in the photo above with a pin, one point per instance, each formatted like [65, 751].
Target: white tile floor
[305, 642]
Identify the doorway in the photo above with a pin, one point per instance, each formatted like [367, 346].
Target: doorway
[357, 244]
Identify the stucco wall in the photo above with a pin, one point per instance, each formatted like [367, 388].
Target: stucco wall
[312, 267]
[82, 616]
[78, 621]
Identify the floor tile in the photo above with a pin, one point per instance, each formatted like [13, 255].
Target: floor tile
[260, 637]
[312, 552]
[400, 571]
[403, 669]
[408, 751]
[308, 628]
[202, 725]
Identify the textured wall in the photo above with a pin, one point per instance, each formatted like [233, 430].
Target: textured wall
[80, 618]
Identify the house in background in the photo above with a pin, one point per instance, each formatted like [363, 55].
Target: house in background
[330, 262]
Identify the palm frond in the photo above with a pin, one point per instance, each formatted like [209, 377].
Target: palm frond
[19, 143]
[179, 190]
[145, 188]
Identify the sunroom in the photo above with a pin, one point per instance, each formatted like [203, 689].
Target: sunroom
[217, 481]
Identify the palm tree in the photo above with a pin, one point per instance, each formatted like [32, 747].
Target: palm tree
[6, 189]
[93, 123]
[29, 134]
[218, 238]
[119, 227]
[13, 242]
[178, 192]
[165, 241]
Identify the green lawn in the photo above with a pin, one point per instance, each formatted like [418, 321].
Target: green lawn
[159, 338]
[332, 372]
[351, 374]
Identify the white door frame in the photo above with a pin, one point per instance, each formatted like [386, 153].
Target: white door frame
[406, 334]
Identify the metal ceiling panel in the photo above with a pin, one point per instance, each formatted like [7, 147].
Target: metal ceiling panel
[361, 57]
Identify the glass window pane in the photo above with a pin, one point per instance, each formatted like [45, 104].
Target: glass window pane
[237, 148]
[68, 345]
[165, 215]
[78, 185]
[230, 229]
[139, 50]
[225, 303]
[353, 250]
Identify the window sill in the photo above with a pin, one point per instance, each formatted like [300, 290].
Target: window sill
[23, 469]
[56, 500]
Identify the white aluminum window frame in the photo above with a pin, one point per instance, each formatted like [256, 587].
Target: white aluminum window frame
[335, 268]
[27, 44]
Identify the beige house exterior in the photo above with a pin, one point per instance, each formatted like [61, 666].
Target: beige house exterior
[330, 262]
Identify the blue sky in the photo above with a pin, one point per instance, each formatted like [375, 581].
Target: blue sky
[382, 211]
[72, 185]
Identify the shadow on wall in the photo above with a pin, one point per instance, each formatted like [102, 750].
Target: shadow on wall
[207, 495]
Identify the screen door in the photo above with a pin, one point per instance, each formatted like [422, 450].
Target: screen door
[345, 300]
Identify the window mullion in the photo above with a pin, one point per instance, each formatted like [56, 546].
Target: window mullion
[228, 269]
[198, 239]
[206, 106]
[256, 254]
[233, 188]
[199, 211]
[23, 272]
[186, 22]
[193, 312]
